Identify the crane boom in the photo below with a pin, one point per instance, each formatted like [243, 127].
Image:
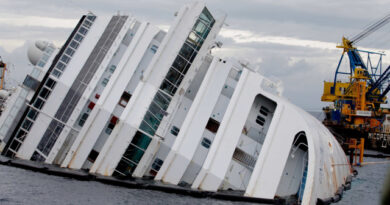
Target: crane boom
[355, 60]
[378, 83]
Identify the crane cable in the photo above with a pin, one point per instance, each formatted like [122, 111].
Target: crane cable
[370, 29]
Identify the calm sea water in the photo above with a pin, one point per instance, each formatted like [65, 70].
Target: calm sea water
[18, 186]
[368, 185]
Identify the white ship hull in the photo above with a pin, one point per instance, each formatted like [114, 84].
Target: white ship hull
[124, 98]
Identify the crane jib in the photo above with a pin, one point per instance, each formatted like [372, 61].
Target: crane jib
[355, 60]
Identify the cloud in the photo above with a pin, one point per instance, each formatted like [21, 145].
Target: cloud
[12, 37]
[17, 64]
[22, 21]
[10, 45]
[243, 36]
[292, 40]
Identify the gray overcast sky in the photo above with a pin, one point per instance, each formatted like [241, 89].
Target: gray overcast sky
[293, 41]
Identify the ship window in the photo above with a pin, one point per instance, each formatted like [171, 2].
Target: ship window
[37, 157]
[187, 52]
[60, 66]
[111, 125]
[27, 124]
[87, 24]
[175, 131]
[264, 111]
[74, 44]
[152, 120]
[56, 73]
[206, 16]
[83, 119]
[91, 105]
[212, 125]
[41, 64]
[147, 128]
[31, 83]
[162, 100]
[206, 142]
[32, 114]
[78, 38]
[109, 128]
[124, 99]
[235, 74]
[21, 135]
[45, 57]
[44, 93]
[174, 77]
[50, 83]
[69, 51]
[93, 155]
[195, 41]
[104, 82]
[36, 72]
[14, 145]
[168, 87]
[49, 50]
[181, 64]
[83, 30]
[157, 164]
[200, 28]
[114, 120]
[39, 103]
[260, 120]
[65, 59]
[154, 48]
[91, 18]
[112, 68]
[156, 111]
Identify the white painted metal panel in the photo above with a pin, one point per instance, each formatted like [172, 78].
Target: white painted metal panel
[110, 97]
[226, 139]
[88, 91]
[124, 131]
[193, 126]
[41, 123]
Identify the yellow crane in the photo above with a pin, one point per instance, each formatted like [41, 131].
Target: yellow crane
[356, 110]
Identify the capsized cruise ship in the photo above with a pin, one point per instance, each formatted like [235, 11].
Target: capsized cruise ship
[124, 98]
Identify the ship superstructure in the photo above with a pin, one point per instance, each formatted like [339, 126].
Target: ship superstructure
[17, 104]
[123, 98]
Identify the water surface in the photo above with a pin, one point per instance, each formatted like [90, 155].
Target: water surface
[19, 186]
